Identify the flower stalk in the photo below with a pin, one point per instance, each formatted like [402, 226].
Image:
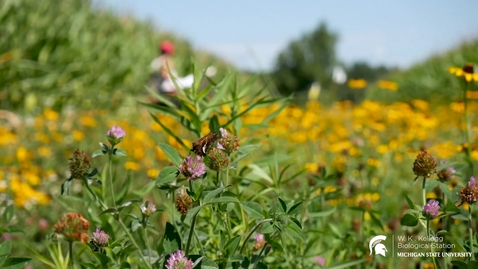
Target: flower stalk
[470, 233]
[191, 230]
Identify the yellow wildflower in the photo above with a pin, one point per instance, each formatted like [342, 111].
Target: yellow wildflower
[153, 173]
[78, 135]
[51, 114]
[388, 85]
[88, 121]
[131, 166]
[357, 83]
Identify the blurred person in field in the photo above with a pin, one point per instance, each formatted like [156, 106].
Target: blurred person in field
[166, 74]
[165, 77]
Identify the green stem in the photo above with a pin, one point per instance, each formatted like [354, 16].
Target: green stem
[197, 239]
[110, 175]
[227, 177]
[227, 224]
[190, 237]
[190, 185]
[467, 128]
[431, 248]
[134, 243]
[145, 229]
[252, 231]
[173, 205]
[72, 259]
[362, 224]
[470, 233]
[424, 192]
[445, 226]
[94, 195]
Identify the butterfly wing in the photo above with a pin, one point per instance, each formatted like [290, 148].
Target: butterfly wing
[201, 145]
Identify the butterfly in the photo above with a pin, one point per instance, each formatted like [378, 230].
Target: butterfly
[201, 145]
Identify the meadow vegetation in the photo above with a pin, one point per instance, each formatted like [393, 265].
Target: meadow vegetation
[94, 176]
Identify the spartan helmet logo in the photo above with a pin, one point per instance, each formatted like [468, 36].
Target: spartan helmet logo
[376, 244]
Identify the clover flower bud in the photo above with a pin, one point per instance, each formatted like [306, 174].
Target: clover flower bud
[430, 210]
[320, 260]
[184, 201]
[259, 241]
[227, 142]
[424, 165]
[177, 260]
[100, 238]
[469, 193]
[73, 227]
[446, 174]
[216, 159]
[79, 164]
[147, 209]
[115, 135]
[193, 167]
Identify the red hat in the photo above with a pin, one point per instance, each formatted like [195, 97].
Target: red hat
[166, 47]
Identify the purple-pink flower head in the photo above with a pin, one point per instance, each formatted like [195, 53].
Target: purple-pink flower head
[320, 260]
[472, 182]
[469, 193]
[148, 208]
[223, 132]
[259, 241]
[193, 167]
[100, 238]
[219, 146]
[116, 132]
[177, 260]
[446, 174]
[430, 210]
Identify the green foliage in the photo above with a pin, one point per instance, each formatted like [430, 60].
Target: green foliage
[306, 60]
[57, 54]
[6, 261]
[429, 80]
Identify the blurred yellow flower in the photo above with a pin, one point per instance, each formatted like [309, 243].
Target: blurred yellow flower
[327, 189]
[88, 121]
[44, 152]
[41, 137]
[153, 173]
[429, 265]
[373, 162]
[420, 104]
[458, 107]
[160, 154]
[51, 114]
[25, 195]
[472, 94]
[444, 150]
[155, 126]
[131, 166]
[7, 137]
[357, 83]
[388, 85]
[312, 167]
[382, 149]
[467, 72]
[31, 178]
[474, 155]
[22, 154]
[226, 109]
[78, 135]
